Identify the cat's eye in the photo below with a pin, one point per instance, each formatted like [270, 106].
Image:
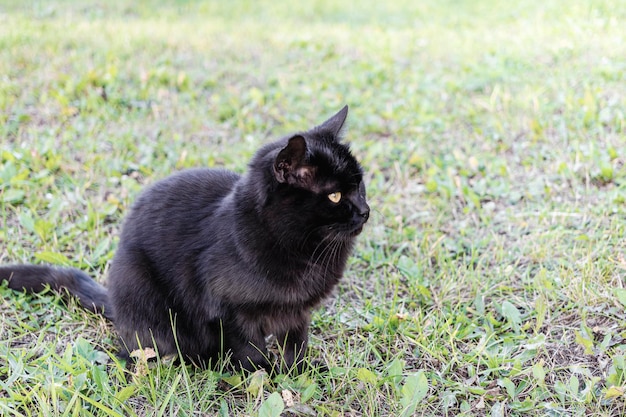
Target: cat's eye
[334, 197]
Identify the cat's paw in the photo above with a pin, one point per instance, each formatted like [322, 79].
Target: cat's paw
[319, 366]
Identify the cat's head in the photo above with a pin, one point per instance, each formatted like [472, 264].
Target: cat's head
[317, 183]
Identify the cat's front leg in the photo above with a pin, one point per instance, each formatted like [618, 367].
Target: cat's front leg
[292, 346]
[244, 338]
[247, 354]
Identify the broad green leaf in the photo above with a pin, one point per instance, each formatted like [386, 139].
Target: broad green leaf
[479, 303]
[613, 392]
[497, 410]
[512, 314]
[273, 406]
[561, 390]
[12, 196]
[308, 393]
[101, 249]
[223, 408]
[394, 372]
[585, 342]
[100, 378]
[539, 372]
[574, 384]
[541, 308]
[536, 342]
[408, 267]
[43, 228]
[413, 391]
[367, 376]
[233, 380]
[125, 393]
[27, 222]
[620, 293]
[256, 382]
[509, 386]
[54, 258]
[477, 390]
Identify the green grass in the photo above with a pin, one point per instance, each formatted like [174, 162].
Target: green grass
[491, 277]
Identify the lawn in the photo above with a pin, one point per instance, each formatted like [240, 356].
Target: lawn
[491, 277]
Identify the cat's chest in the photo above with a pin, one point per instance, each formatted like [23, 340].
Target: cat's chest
[275, 290]
[270, 321]
[304, 287]
[269, 280]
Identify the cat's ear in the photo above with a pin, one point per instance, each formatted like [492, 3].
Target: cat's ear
[335, 123]
[290, 166]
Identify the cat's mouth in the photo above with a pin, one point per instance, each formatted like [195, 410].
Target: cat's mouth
[356, 231]
[347, 231]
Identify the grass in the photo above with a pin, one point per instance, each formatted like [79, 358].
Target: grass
[490, 279]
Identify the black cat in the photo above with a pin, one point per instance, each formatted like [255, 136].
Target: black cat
[215, 262]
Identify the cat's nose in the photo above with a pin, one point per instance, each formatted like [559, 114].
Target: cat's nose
[365, 213]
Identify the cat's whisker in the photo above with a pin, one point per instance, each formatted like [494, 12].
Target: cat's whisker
[308, 235]
[375, 213]
[335, 250]
[324, 249]
[322, 255]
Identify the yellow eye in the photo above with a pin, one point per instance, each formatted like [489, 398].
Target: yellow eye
[334, 197]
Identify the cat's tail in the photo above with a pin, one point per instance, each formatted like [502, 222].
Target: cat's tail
[34, 278]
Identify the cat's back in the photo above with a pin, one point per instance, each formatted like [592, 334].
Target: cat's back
[180, 201]
[191, 186]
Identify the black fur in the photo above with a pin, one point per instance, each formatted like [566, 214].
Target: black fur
[227, 260]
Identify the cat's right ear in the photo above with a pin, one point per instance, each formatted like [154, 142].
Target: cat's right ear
[291, 167]
[335, 123]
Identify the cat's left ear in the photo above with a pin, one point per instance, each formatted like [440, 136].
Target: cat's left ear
[335, 123]
[291, 166]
